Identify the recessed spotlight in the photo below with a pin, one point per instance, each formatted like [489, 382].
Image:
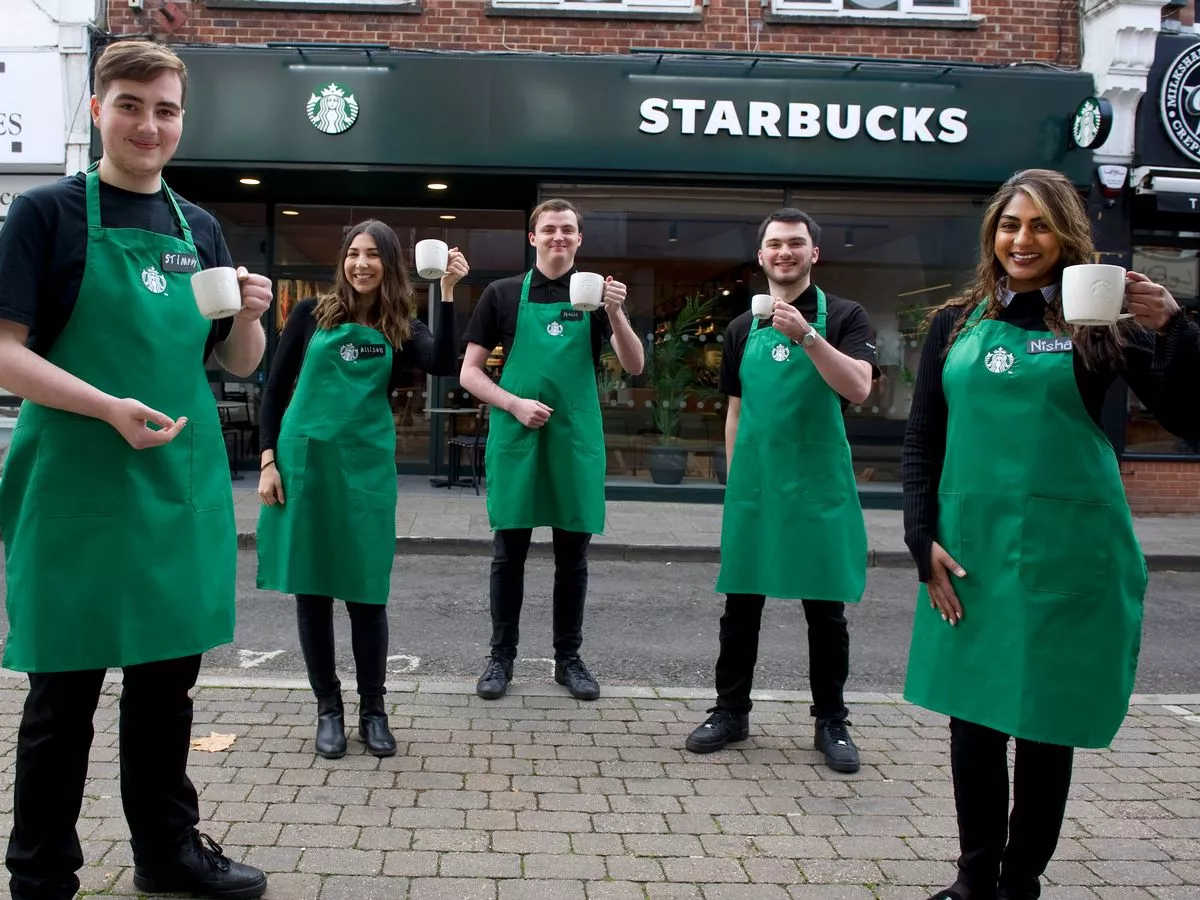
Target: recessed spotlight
[437, 186]
[448, 218]
[725, 293]
[249, 181]
[290, 212]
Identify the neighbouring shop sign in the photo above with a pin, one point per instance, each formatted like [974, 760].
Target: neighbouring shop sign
[32, 129]
[632, 114]
[13, 186]
[1168, 119]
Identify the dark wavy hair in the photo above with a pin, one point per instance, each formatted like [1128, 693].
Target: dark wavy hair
[393, 307]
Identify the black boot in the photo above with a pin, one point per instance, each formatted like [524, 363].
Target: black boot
[331, 728]
[373, 727]
[201, 868]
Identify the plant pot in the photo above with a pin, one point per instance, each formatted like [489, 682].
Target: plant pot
[667, 464]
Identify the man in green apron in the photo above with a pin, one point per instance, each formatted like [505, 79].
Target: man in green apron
[545, 450]
[792, 527]
[115, 503]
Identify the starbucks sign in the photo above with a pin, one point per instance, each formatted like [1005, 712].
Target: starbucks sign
[333, 110]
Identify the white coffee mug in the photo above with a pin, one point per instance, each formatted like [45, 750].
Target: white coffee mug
[217, 292]
[432, 257]
[761, 305]
[1092, 294]
[587, 291]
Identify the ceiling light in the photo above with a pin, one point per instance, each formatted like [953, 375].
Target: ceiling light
[448, 218]
[290, 212]
[437, 186]
[249, 181]
[725, 293]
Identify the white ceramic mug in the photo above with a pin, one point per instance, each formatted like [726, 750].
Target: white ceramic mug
[432, 257]
[587, 291]
[761, 305]
[217, 292]
[1092, 294]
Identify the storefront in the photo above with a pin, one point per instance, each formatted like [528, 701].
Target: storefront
[32, 132]
[674, 161]
[1162, 472]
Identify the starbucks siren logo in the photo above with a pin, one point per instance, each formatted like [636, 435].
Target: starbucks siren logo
[781, 352]
[349, 352]
[334, 111]
[555, 328]
[154, 280]
[999, 360]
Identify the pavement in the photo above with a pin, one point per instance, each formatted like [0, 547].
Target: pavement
[542, 796]
[454, 520]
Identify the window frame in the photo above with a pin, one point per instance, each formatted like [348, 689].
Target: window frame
[908, 10]
[598, 6]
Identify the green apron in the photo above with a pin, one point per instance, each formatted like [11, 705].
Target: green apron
[1031, 505]
[553, 475]
[791, 527]
[335, 534]
[118, 556]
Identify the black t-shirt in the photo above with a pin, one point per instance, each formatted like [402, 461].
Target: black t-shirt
[494, 320]
[1163, 371]
[422, 351]
[847, 328]
[43, 250]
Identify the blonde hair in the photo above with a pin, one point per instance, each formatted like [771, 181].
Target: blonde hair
[139, 61]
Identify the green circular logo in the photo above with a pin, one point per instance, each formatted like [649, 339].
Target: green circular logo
[332, 109]
[1091, 123]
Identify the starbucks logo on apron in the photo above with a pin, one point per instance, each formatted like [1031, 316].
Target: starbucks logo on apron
[555, 328]
[154, 280]
[781, 352]
[999, 360]
[348, 352]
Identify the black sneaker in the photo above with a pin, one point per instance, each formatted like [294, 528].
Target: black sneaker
[834, 741]
[578, 680]
[721, 728]
[201, 868]
[948, 894]
[493, 683]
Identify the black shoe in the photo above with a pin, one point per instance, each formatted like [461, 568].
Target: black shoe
[949, 894]
[331, 728]
[494, 681]
[578, 680]
[201, 868]
[373, 727]
[721, 728]
[834, 741]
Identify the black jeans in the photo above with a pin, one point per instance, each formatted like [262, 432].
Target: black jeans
[996, 848]
[368, 639]
[52, 761]
[828, 654]
[510, 547]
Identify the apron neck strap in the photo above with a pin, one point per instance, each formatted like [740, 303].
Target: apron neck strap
[93, 202]
[525, 287]
[820, 323]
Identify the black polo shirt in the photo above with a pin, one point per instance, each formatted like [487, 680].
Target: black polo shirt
[847, 328]
[494, 320]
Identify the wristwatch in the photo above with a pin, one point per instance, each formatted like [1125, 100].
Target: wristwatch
[810, 338]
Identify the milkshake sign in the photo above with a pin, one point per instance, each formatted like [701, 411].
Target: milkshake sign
[1179, 102]
[843, 122]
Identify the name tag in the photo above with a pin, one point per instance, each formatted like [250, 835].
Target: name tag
[572, 315]
[1049, 345]
[180, 262]
[365, 351]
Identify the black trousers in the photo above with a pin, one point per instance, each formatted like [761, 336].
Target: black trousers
[368, 639]
[510, 547]
[52, 761]
[1012, 851]
[828, 654]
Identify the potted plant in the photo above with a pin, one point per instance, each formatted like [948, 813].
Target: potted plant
[675, 380]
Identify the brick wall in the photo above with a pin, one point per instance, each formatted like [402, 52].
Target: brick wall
[1162, 487]
[1041, 30]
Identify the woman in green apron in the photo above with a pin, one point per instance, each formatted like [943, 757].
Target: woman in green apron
[327, 527]
[1029, 615]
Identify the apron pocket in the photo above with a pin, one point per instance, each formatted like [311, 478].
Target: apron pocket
[211, 484]
[371, 477]
[82, 468]
[743, 481]
[291, 458]
[1065, 546]
[824, 474]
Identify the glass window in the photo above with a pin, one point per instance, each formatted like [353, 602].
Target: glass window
[601, 5]
[1178, 270]
[246, 231]
[880, 8]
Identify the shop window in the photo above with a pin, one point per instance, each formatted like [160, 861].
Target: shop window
[875, 8]
[598, 6]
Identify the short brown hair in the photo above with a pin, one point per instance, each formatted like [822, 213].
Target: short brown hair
[555, 204]
[140, 61]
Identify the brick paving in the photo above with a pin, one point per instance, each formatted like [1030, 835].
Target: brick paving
[541, 796]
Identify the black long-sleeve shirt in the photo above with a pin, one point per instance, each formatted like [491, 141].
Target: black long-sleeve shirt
[1162, 370]
[422, 351]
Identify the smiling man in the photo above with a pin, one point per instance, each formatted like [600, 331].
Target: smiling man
[792, 527]
[116, 507]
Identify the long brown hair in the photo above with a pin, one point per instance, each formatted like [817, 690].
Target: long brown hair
[394, 307]
[1063, 211]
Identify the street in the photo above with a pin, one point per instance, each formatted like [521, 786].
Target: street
[648, 623]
